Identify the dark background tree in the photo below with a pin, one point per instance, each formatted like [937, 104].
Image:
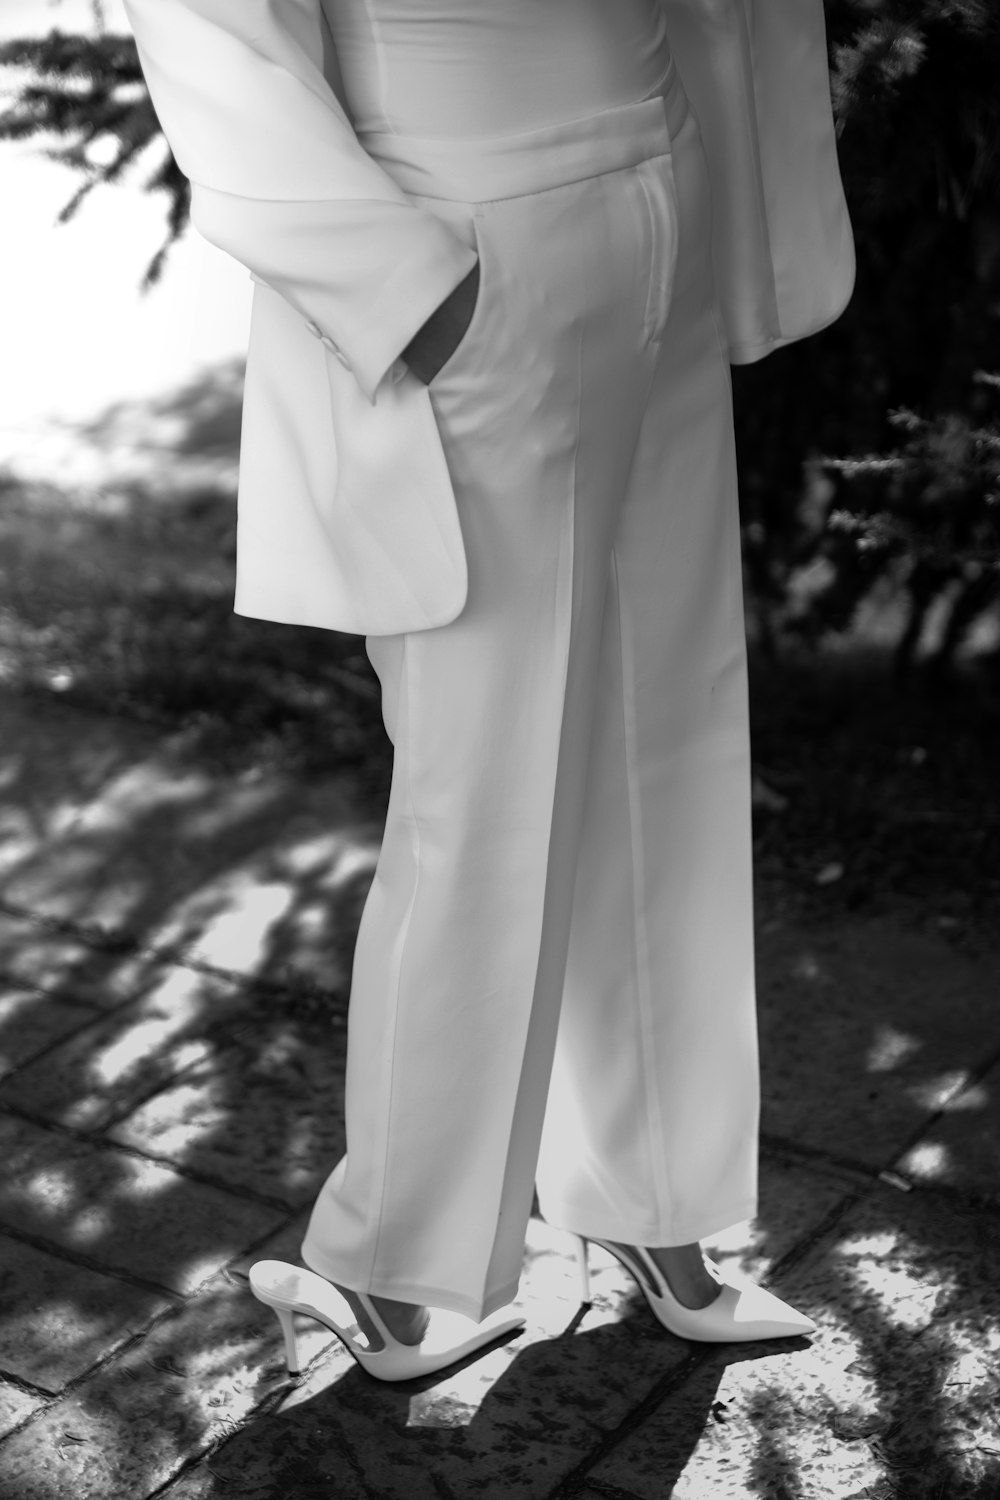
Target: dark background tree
[897, 393]
[869, 454]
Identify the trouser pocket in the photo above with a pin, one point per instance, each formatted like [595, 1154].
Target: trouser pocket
[463, 220]
[565, 263]
[659, 194]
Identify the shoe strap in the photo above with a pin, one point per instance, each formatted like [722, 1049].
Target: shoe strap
[638, 1264]
[389, 1340]
[650, 1276]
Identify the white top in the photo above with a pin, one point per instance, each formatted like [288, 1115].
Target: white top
[477, 67]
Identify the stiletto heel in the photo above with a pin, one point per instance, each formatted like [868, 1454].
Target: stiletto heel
[291, 1342]
[582, 1260]
[739, 1314]
[290, 1289]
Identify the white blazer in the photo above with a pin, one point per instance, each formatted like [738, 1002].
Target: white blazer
[347, 517]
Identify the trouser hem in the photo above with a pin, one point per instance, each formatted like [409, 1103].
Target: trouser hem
[680, 1230]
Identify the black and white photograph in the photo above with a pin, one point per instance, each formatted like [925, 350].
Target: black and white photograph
[500, 750]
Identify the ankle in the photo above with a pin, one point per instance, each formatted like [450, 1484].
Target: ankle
[406, 1322]
[687, 1273]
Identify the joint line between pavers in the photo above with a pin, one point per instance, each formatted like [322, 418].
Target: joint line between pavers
[609, 1491]
[97, 1015]
[804, 1246]
[975, 1076]
[161, 1087]
[577, 1479]
[104, 940]
[803, 1155]
[262, 1240]
[73, 1002]
[117, 1353]
[102, 1143]
[7, 1377]
[269, 1401]
[87, 1262]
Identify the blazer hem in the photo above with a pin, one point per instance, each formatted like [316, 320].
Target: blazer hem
[752, 353]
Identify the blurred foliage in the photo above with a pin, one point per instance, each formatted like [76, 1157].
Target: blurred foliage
[869, 453]
[89, 92]
[124, 605]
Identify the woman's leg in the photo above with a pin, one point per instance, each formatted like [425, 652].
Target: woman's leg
[460, 959]
[651, 1131]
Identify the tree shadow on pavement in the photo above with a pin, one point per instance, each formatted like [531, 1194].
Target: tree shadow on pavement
[178, 943]
[532, 1423]
[180, 888]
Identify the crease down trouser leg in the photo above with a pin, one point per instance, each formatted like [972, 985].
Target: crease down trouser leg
[555, 963]
[461, 953]
[651, 1129]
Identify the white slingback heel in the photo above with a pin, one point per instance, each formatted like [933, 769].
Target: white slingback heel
[290, 1289]
[738, 1314]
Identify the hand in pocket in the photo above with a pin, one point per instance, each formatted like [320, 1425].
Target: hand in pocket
[434, 344]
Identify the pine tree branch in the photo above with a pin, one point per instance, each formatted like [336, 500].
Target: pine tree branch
[89, 92]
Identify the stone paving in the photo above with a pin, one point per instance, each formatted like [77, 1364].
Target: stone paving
[174, 946]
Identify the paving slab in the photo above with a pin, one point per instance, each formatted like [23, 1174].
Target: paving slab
[16, 1405]
[114, 825]
[87, 809]
[98, 1074]
[56, 761]
[283, 1244]
[266, 1113]
[863, 1038]
[116, 1211]
[125, 1431]
[58, 1319]
[895, 1397]
[36, 955]
[288, 908]
[962, 1149]
[376, 1452]
[32, 1021]
[745, 1424]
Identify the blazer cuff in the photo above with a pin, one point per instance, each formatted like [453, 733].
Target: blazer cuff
[363, 274]
[407, 299]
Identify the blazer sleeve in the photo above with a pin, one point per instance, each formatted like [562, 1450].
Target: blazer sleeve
[280, 181]
[757, 75]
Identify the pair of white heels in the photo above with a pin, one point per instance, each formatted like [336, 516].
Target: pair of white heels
[737, 1314]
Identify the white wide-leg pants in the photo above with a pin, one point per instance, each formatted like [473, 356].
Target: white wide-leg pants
[553, 979]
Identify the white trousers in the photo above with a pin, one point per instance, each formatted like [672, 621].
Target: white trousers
[553, 980]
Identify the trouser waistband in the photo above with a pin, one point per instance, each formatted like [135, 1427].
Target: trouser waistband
[532, 161]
